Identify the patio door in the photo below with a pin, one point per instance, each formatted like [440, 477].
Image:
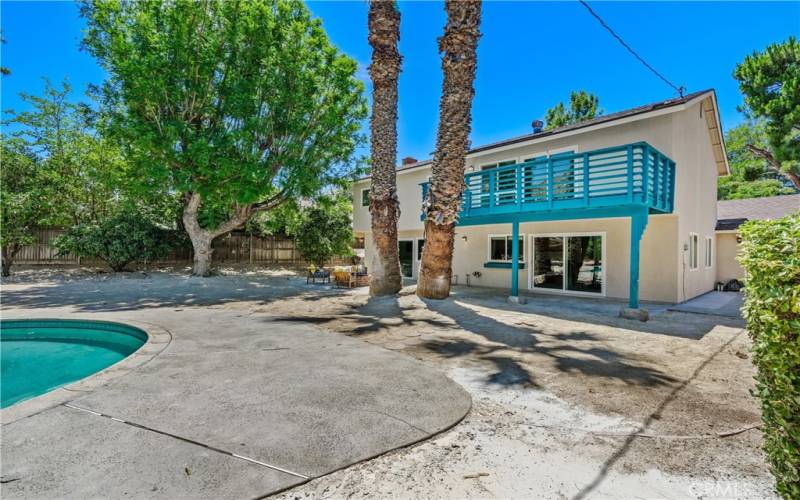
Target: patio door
[568, 263]
[406, 250]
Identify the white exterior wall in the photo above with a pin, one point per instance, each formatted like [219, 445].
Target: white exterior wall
[728, 267]
[664, 274]
[695, 199]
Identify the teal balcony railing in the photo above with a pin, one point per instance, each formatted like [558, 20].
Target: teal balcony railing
[629, 175]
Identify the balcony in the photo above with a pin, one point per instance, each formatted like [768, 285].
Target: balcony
[619, 180]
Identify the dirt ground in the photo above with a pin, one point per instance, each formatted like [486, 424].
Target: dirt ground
[569, 401]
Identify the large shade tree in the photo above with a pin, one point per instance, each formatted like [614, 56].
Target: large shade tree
[770, 83]
[458, 47]
[384, 207]
[237, 106]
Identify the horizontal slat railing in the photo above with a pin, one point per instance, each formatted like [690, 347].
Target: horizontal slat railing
[620, 175]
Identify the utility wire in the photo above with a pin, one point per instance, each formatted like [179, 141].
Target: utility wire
[680, 90]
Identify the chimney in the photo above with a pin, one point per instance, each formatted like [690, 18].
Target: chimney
[537, 126]
[408, 160]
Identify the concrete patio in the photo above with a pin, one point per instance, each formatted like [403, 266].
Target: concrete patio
[236, 406]
[268, 380]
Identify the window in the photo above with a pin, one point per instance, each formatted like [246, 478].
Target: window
[693, 244]
[500, 248]
[504, 182]
[365, 197]
[708, 252]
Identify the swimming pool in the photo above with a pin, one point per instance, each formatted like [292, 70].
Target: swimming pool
[37, 356]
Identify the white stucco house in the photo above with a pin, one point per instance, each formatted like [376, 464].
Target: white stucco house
[621, 206]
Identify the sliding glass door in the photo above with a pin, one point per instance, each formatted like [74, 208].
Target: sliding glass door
[568, 263]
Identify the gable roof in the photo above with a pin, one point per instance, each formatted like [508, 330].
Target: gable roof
[732, 213]
[654, 106]
[712, 114]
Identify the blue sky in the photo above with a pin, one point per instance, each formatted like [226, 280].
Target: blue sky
[530, 57]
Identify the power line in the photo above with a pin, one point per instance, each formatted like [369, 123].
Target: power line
[680, 90]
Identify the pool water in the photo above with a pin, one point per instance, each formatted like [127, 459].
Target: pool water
[37, 356]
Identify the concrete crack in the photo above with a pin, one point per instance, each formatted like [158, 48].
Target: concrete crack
[390, 416]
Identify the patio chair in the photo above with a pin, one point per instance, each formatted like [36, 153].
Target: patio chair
[342, 278]
[318, 276]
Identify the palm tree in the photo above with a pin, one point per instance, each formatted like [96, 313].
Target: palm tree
[459, 61]
[384, 207]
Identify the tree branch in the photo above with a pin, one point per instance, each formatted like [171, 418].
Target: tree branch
[270, 203]
[774, 164]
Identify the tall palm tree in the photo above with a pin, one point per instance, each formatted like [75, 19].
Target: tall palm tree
[384, 207]
[459, 61]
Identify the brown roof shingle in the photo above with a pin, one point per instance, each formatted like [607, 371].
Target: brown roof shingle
[731, 213]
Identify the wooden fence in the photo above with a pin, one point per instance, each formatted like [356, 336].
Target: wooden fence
[233, 248]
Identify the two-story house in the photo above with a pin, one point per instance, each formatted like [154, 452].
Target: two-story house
[623, 206]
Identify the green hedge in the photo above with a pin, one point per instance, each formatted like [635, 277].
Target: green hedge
[771, 259]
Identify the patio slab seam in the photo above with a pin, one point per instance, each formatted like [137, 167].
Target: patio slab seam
[187, 440]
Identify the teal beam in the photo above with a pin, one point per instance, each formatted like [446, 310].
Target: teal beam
[515, 259]
[638, 225]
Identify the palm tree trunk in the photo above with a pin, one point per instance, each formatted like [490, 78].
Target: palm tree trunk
[459, 61]
[384, 207]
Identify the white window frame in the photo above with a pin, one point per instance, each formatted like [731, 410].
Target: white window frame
[495, 164]
[564, 291]
[694, 257]
[362, 197]
[708, 256]
[508, 237]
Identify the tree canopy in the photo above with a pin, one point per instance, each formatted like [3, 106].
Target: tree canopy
[25, 197]
[238, 105]
[325, 229]
[582, 106]
[58, 132]
[770, 83]
[751, 176]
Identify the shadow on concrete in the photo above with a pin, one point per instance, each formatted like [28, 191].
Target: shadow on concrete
[500, 345]
[125, 292]
[599, 311]
[574, 352]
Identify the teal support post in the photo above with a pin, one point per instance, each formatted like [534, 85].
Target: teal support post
[638, 225]
[515, 259]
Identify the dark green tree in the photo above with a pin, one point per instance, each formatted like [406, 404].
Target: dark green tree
[770, 83]
[74, 156]
[325, 229]
[126, 237]
[751, 175]
[582, 106]
[26, 192]
[237, 106]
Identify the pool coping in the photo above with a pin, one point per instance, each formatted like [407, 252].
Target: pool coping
[158, 339]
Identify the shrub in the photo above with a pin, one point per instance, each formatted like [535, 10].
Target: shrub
[771, 259]
[118, 241]
[324, 231]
